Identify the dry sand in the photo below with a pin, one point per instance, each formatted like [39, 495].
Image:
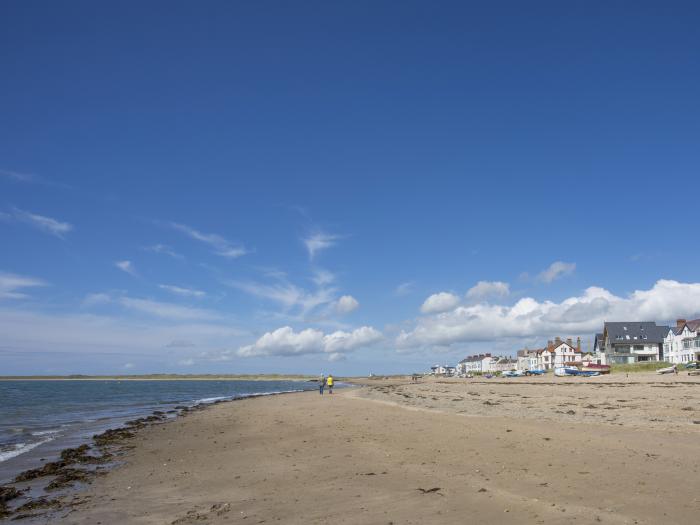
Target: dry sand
[599, 450]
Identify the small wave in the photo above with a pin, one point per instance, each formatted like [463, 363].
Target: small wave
[206, 400]
[19, 448]
[45, 432]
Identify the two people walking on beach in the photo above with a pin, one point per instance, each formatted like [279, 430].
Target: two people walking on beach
[325, 382]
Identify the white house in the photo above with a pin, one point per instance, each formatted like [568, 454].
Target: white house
[559, 353]
[476, 364]
[681, 344]
[527, 359]
[504, 364]
[442, 370]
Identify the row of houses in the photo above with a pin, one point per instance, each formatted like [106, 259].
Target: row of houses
[619, 342]
[646, 341]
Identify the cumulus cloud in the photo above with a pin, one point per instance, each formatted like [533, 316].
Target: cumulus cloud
[439, 302]
[41, 222]
[556, 270]
[484, 289]
[181, 291]
[586, 313]
[126, 266]
[286, 342]
[318, 242]
[11, 284]
[346, 304]
[221, 245]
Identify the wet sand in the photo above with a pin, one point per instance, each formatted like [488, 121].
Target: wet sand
[433, 452]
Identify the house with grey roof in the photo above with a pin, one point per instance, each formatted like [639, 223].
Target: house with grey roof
[634, 341]
[682, 342]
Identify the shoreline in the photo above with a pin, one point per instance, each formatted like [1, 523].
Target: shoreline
[103, 452]
[402, 452]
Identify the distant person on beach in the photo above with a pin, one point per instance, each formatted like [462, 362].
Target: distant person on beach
[321, 385]
[329, 382]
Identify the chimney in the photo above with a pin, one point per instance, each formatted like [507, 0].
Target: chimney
[550, 345]
[578, 344]
[680, 322]
[570, 342]
[557, 339]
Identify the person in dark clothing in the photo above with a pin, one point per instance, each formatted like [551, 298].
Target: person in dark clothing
[322, 385]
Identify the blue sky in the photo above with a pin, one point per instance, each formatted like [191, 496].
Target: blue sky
[318, 187]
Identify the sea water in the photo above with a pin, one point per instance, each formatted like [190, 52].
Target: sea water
[38, 418]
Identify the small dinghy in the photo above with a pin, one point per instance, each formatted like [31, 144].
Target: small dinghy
[667, 370]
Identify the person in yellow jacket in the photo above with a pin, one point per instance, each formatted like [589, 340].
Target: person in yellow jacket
[329, 384]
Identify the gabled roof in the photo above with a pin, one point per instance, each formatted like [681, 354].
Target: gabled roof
[640, 331]
[693, 325]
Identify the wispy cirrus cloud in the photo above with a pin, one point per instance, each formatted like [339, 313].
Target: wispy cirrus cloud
[40, 222]
[17, 176]
[182, 291]
[167, 310]
[405, 288]
[164, 250]
[220, 245]
[288, 295]
[126, 266]
[11, 285]
[318, 242]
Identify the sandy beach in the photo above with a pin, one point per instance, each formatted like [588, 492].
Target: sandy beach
[602, 450]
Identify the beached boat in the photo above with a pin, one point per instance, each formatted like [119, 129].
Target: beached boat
[563, 371]
[573, 371]
[592, 367]
[667, 370]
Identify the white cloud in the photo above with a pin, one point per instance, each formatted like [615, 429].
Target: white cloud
[43, 223]
[404, 288]
[183, 292]
[129, 365]
[318, 242]
[323, 277]
[10, 283]
[556, 270]
[335, 357]
[286, 342]
[346, 304]
[286, 294]
[93, 299]
[91, 334]
[16, 176]
[186, 362]
[167, 310]
[164, 249]
[439, 302]
[221, 246]
[584, 314]
[126, 266]
[488, 289]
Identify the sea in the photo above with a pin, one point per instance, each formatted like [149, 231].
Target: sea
[39, 418]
